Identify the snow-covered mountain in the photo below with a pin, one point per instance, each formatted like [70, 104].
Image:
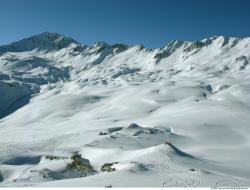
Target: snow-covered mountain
[173, 116]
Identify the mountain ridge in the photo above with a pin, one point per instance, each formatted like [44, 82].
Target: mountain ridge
[46, 38]
[62, 59]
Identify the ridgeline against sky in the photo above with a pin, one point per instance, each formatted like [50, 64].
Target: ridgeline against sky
[149, 22]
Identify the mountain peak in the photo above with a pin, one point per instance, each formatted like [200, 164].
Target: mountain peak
[44, 41]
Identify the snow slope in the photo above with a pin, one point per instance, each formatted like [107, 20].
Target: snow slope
[173, 116]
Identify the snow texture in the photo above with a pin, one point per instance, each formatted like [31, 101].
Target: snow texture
[125, 116]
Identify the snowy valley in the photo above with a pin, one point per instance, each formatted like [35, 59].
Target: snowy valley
[121, 116]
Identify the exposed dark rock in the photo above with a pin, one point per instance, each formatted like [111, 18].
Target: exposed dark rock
[243, 61]
[170, 48]
[235, 42]
[80, 164]
[103, 133]
[107, 167]
[110, 130]
[118, 47]
[197, 45]
[108, 186]
[133, 125]
[50, 157]
[225, 42]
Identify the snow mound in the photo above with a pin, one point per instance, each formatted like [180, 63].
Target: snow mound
[132, 137]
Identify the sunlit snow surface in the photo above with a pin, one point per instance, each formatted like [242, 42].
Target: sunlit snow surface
[176, 116]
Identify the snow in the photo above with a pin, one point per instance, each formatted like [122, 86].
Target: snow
[174, 116]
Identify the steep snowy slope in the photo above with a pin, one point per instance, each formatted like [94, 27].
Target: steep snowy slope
[174, 116]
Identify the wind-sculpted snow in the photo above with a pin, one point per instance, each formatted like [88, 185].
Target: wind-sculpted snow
[118, 115]
[34, 70]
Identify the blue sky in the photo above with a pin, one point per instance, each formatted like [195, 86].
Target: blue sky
[149, 22]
